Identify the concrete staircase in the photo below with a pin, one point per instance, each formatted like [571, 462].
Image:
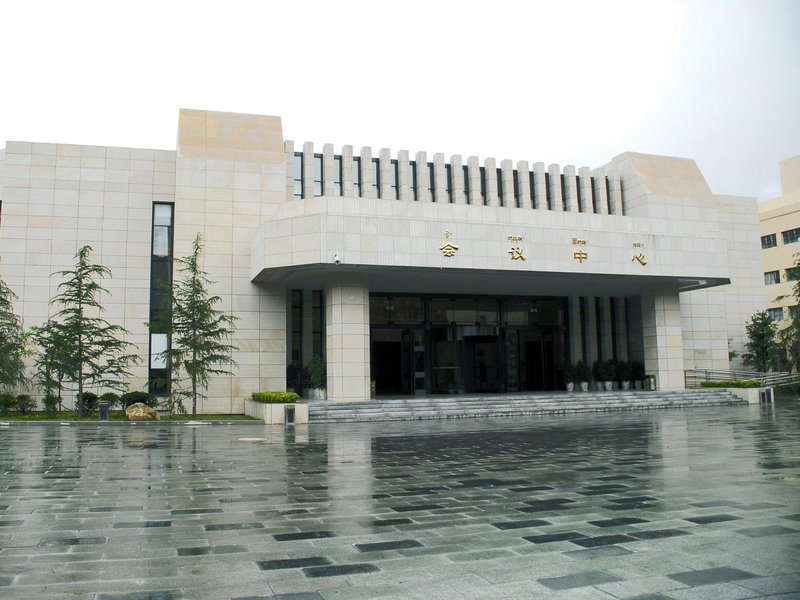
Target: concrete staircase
[410, 408]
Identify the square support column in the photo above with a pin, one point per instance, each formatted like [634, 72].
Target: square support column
[272, 341]
[347, 340]
[663, 339]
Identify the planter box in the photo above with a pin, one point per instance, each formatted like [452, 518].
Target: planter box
[274, 414]
[751, 395]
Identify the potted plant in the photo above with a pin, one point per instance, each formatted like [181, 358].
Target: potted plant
[568, 372]
[637, 373]
[624, 374]
[315, 379]
[609, 374]
[583, 374]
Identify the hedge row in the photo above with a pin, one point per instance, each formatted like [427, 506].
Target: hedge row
[274, 397]
[739, 383]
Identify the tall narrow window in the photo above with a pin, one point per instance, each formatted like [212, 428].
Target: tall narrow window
[357, 175]
[578, 191]
[298, 174]
[594, 195]
[412, 175]
[337, 175]
[466, 182]
[160, 280]
[563, 192]
[448, 182]
[501, 193]
[295, 357]
[318, 185]
[395, 176]
[548, 192]
[431, 182]
[515, 175]
[376, 178]
[532, 180]
[483, 185]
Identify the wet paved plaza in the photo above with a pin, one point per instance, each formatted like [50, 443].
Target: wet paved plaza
[647, 505]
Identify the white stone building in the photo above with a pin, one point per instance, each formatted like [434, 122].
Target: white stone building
[423, 274]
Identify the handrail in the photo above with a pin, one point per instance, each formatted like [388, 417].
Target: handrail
[693, 377]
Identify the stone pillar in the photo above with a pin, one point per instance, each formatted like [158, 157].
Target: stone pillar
[570, 189]
[663, 338]
[575, 338]
[524, 183]
[539, 190]
[601, 198]
[272, 338]
[457, 177]
[308, 170]
[621, 326]
[490, 174]
[585, 189]
[591, 330]
[556, 199]
[606, 339]
[307, 319]
[347, 339]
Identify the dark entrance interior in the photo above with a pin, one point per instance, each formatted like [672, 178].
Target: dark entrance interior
[463, 345]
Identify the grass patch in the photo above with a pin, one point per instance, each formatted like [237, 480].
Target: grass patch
[113, 415]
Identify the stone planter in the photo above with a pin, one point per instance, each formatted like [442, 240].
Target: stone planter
[608, 385]
[626, 385]
[751, 395]
[584, 386]
[570, 386]
[275, 414]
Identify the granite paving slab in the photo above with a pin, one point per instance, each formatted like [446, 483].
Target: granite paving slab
[689, 503]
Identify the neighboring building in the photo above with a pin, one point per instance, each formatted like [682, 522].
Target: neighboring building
[421, 274]
[780, 241]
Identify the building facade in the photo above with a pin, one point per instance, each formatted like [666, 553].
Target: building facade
[410, 274]
[780, 244]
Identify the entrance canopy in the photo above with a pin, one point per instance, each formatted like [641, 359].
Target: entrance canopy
[480, 281]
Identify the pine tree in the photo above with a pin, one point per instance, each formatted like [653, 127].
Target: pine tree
[12, 341]
[198, 331]
[90, 350]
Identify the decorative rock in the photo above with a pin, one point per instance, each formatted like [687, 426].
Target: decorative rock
[141, 412]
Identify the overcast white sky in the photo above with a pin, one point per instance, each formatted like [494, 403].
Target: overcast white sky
[569, 82]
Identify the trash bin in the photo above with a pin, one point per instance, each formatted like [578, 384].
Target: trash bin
[288, 414]
[102, 408]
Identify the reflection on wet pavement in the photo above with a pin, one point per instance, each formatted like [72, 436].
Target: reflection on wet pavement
[675, 504]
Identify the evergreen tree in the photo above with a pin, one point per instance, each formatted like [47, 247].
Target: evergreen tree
[51, 360]
[12, 341]
[84, 347]
[789, 336]
[760, 349]
[198, 331]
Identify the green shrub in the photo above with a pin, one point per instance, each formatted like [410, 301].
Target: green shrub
[274, 397]
[50, 403]
[315, 375]
[111, 399]
[129, 398]
[7, 402]
[790, 391]
[637, 370]
[582, 372]
[624, 371]
[89, 401]
[740, 383]
[25, 403]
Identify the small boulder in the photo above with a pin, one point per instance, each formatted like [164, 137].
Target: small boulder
[141, 412]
